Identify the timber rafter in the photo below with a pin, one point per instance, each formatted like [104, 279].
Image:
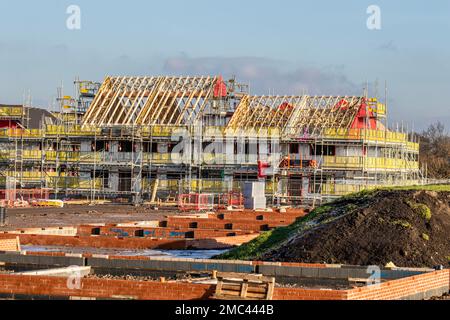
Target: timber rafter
[142, 101]
[295, 116]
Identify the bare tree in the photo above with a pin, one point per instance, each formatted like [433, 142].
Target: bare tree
[435, 151]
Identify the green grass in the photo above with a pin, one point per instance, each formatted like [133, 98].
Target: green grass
[405, 224]
[421, 209]
[424, 211]
[316, 213]
[257, 246]
[357, 195]
[271, 239]
[434, 187]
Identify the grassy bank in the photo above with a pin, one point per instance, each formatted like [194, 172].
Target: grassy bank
[271, 239]
[432, 187]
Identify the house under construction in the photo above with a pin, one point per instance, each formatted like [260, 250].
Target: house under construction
[155, 138]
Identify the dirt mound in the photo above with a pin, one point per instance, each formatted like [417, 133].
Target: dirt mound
[408, 228]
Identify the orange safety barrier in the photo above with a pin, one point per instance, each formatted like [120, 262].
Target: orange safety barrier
[232, 198]
[22, 197]
[196, 202]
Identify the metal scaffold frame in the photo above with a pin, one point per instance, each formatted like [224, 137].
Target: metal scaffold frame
[147, 110]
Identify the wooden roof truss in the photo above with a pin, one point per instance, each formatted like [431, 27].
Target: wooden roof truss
[295, 116]
[142, 101]
[255, 113]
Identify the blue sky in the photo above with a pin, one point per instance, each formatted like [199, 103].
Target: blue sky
[290, 47]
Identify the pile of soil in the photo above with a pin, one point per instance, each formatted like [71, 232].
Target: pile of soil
[407, 228]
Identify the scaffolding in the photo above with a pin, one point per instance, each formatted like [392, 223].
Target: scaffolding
[117, 140]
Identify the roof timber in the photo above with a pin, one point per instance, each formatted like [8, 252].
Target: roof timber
[150, 101]
[176, 101]
[294, 116]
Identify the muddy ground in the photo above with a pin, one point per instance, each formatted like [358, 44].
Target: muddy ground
[76, 215]
[408, 228]
[383, 227]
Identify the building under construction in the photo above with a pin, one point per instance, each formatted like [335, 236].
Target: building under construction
[144, 139]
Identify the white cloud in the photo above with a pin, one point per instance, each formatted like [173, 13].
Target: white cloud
[266, 75]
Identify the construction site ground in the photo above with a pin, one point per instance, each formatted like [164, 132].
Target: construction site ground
[79, 214]
[121, 249]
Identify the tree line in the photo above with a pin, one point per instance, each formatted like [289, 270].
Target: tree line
[435, 151]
